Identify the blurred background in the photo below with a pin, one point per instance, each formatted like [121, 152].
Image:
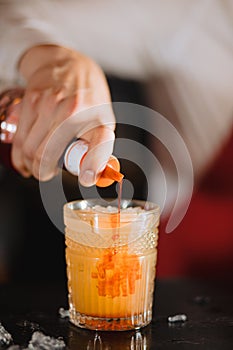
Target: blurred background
[175, 57]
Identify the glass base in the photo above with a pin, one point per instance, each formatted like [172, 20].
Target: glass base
[110, 324]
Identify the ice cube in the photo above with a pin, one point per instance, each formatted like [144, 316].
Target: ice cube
[63, 313]
[111, 209]
[177, 318]
[40, 341]
[108, 209]
[5, 337]
[135, 210]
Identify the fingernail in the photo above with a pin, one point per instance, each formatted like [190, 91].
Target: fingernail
[87, 178]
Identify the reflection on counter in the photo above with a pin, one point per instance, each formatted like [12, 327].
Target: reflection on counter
[90, 340]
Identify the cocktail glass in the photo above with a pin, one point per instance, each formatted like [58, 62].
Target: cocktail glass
[111, 263]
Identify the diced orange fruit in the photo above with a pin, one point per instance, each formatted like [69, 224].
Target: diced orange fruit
[117, 273]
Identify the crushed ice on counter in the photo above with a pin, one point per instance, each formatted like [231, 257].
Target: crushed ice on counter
[40, 341]
[5, 337]
[177, 318]
[63, 313]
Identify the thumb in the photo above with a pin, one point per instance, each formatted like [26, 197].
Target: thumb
[99, 151]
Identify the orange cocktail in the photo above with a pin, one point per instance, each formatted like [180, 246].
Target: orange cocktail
[111, 261]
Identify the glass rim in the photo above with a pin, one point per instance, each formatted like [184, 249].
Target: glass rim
[82, 204]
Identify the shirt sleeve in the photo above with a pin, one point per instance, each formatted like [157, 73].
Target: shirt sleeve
[98, 29]
[21, 27]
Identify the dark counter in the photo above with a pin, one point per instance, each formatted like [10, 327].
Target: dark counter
[208, 306]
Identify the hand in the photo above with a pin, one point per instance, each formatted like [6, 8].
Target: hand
[66, 96]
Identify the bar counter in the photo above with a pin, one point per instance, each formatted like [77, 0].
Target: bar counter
[25, 309]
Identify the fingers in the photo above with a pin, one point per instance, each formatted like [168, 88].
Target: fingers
[41, 140]
[28, 110]
[35, 122]
[99, 136]
[56, 140]
[101, 141]
[69, 98]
